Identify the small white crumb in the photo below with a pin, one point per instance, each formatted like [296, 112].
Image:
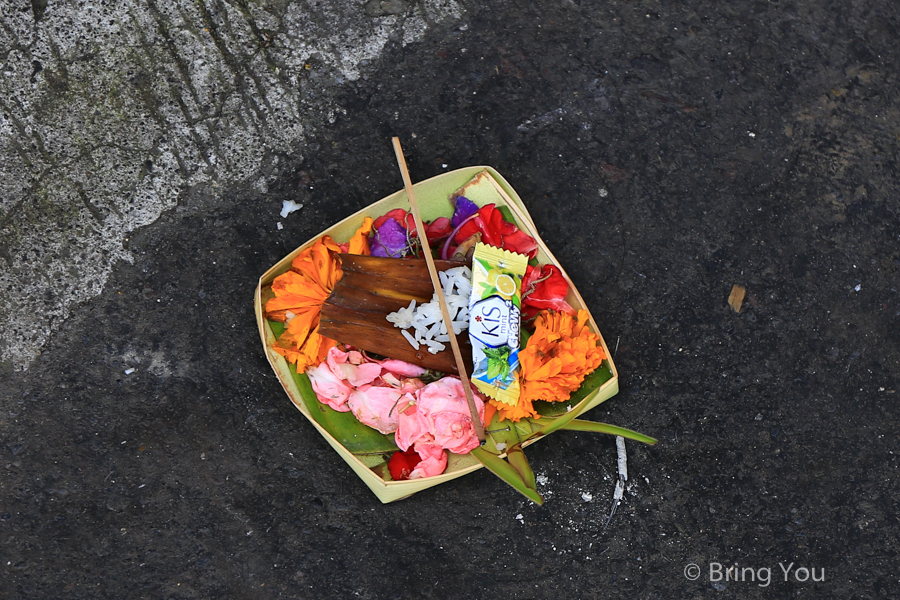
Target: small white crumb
[289, 206]
[520, 518]
[751, 134]
[603, 193]
[130, 371]
[857, 288]
[443, 165]
[501, 446]
[279, 226]
[587, 496]
[542, 479]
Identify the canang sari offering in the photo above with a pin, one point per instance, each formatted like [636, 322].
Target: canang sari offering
[353, 331]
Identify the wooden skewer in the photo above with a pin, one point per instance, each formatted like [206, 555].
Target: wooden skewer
[439, 290]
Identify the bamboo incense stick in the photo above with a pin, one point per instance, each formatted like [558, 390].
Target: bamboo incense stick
[439, 290]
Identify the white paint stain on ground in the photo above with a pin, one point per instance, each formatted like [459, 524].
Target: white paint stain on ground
[108, 111]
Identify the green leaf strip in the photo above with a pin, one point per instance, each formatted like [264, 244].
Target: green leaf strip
[516, 457]
[507, 473]
[551, 424]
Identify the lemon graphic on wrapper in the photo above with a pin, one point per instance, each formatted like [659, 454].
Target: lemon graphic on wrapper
[506, 286]
[499, 283]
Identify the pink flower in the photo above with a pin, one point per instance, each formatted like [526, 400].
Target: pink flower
[434, 461]
[331, 389]
[445, 410]
[440, 416]
[378, 407]
[336, 380]
[402, 368]
[352, 367]
[411, 428]
[407, 386]
[427, 419]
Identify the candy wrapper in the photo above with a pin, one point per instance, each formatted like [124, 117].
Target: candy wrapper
[494, 318]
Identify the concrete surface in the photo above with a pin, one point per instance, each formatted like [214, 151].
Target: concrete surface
[113, 111]
[667, 152]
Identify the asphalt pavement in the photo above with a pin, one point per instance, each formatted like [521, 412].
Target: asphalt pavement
[667, 152]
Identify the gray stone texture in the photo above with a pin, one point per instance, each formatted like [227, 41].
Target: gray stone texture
[112, 111]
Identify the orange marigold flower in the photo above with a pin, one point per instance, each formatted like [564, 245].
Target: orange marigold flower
[300, 293]
[521, 410]
[359, 243]
[555, 361]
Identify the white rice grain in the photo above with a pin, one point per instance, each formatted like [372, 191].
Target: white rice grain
[426, 320]
[412, 341]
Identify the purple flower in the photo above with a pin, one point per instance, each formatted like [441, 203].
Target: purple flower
[465, 208]
[389, 240]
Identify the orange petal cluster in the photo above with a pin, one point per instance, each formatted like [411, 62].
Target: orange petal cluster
[302, 290]
[359, 243]
[558, 356]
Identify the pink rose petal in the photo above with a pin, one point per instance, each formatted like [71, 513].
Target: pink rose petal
[355, 357]
[411, 427]
[350, 366]
[378, 407]
[402, 369]
[445, 413]
[434, 460]
[361, 374]
[411, 386]
[330, 389]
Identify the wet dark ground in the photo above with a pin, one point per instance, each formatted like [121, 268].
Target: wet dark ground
[666, 152]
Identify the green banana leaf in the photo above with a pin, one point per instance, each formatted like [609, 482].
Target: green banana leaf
[594, 380]
[373, 460]
[516, 457]
[354, 436]
[507, 437]
[507, 473]
[511, 436]
[507, 215]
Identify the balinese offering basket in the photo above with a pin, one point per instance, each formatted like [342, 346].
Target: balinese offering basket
[432, 196]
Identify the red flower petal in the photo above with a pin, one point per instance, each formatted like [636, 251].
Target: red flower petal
[398, 214]
[468, 230]
[521, 243]
[403, 463]
[438, 229]
[544, 288]
[497, 223]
